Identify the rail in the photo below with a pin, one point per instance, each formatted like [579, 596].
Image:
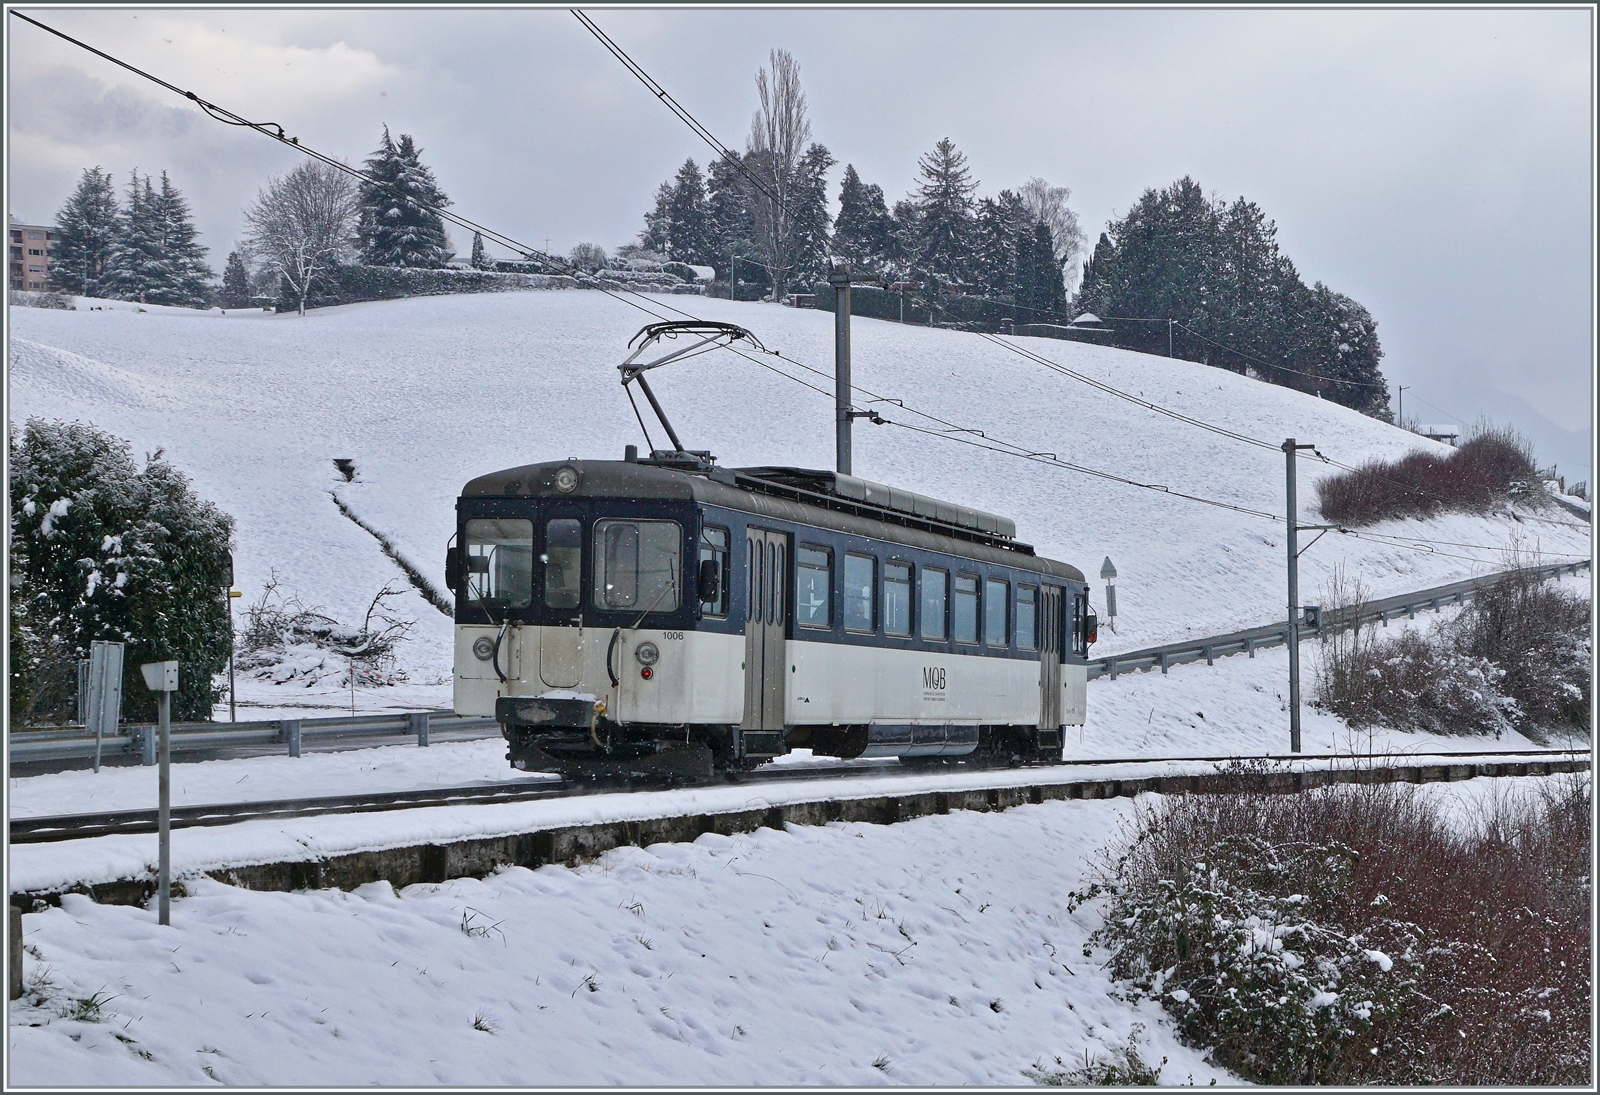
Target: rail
[1250, 640]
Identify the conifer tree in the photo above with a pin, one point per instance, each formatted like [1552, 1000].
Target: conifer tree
[135, 264]
[656, 236]
[730, 222]
[397, 226]
[864, 230]
[88, 223]
[480, 255]
[1048, 290]
[235, 283]
[944, 212]
[688, 218]
[182, 274]
[809, 242]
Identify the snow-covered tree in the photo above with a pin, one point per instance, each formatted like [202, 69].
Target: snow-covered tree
[303, 225]
[184, 275]
[944, 212]
[588, 257]
[235, 283]
[689, 223]
[136, 265]
[399, 225]
[104, 549]
[88, 225]
[657, 232]
[1049, 204]
[779, 134]
[480, 254]
[810, 241]
[731, 223]
[863, 231]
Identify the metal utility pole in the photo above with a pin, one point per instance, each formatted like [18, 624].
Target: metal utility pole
[162, 679]
[1169, 338]
[1402, 415]
[1293, 528]
[839, 277]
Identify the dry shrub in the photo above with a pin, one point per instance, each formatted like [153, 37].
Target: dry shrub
[1494, 465]
[1537, 633]
[1516, 658]
[1351, 935]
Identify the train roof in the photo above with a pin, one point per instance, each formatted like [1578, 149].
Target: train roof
[823, 498]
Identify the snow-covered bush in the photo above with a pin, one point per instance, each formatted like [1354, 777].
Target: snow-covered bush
[1352, 935]
[104, 549]
[59, 301]
[1537, 634]
[1241, 950]
[352, 284]
[1414, 681]
[284, 640]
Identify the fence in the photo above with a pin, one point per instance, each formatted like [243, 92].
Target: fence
[1253, 639]
[139, 741]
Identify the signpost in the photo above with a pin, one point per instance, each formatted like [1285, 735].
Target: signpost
[162, 679]
[103, 699]
[1109, 573]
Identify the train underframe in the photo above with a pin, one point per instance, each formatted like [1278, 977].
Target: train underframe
[598, 749]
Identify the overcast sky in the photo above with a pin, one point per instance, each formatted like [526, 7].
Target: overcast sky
[1436, 165]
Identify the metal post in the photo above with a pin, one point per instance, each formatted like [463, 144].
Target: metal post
[164, 808]
[419, 726]
[1402, 415]
[1293, 522]
[233, 698]
[290, 731]
[839, 278]
[1169, 338]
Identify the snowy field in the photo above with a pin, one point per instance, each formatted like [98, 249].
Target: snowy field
[936, 951]
[427, 393]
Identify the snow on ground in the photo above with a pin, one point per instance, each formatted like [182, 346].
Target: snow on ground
[936, 951]
[427, 393]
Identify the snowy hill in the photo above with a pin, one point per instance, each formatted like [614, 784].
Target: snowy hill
[425, 394]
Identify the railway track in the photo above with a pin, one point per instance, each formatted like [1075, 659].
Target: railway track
[45, 829]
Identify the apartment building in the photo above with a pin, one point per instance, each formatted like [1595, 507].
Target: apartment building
[33, 246]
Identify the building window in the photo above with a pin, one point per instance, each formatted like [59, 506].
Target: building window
[35, 251]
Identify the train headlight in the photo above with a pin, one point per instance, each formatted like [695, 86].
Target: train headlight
[647, 653]
[566, 480]
[483, 648]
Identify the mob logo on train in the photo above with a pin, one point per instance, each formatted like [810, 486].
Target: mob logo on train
[932, 679]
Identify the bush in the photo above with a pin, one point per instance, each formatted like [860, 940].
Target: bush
[285, 640]
[1493, 466]
[1516, 658]
[102, 549]
[58, 301]
[1347, 935]
[354, 284]
[1537, 634]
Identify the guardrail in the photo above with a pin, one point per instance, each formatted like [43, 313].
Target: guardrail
[139, 740]
[1249, 641]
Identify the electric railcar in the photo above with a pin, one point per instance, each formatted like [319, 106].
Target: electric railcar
[664, 617]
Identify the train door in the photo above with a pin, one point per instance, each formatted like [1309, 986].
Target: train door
[1049, 657]
[765, 658]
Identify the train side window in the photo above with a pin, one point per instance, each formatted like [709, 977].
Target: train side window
[638, 565]
[860, 592]
[563, 563]
[499, 560]
[1080, 618]
[896, 598]
[935, 589]
[714, 548]
[964, 614]
[996, 600]
[1027, 617]
[813, 587]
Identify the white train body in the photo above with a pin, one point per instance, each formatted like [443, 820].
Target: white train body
[747, 613]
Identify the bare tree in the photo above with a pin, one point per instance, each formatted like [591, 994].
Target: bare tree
[779, 133]
[1049, 204]
[303, 225]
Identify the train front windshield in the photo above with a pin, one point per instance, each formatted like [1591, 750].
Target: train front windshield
[499, 562]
